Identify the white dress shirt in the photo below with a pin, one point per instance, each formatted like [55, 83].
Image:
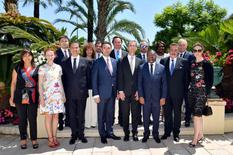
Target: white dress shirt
[170, 63]
[153, 71]
[65, 51]
[145, 56]
[77, 61]
[131, 58]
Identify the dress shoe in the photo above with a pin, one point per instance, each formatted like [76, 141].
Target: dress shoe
[135, 137]
[83, 139]
[35, 144]
[144, 139]
[23, 146]
[60, 127]
[157, 140]
[104, 140]
[114, 137]
[126, 138]
[72, 141]
[187, 124]
[165, 136]
[176, 138]
[201, 139]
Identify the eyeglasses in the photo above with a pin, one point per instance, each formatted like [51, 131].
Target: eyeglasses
[198, 50]
[143, 46]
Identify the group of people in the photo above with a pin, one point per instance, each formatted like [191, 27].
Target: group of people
[79, 91]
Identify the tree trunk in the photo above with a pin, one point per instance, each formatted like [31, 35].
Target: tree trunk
[101, 30]
[90, 22]
[37, 8]
[7, 4]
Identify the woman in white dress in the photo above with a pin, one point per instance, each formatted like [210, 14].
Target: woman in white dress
[91, 107]
[52, 96]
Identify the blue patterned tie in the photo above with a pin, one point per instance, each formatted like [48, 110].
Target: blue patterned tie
[172, 67]
[118, 55]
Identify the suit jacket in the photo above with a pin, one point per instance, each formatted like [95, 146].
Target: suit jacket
[127, 81]
[189, 57]
[112, 54]
[178, 82]
[152, 87]
[60, 57]
[76, 84]
[103, 83]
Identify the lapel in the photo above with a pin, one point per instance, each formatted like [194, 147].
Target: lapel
[79, 64]
[128, 65]
[177, 65]
[113, 66]
[103, 63]
[69, 65]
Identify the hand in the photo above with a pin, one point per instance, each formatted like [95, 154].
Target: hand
[11, 102]
[122, 96]
[136, 96]
[162, 101]
[117, 97]
[97, 100]
[141, 100]
[42, 102]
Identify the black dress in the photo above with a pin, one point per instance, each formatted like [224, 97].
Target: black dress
[197, 88]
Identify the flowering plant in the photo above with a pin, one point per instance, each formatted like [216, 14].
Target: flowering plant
[39, 57]
[220, 58]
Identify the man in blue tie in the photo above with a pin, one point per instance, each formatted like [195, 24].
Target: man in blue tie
[177, 84]
[152, 91]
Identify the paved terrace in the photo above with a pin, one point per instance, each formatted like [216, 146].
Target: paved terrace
[213, 144]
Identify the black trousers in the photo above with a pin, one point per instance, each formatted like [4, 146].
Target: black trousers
[62, 115]
[130, 104]
[172, 115]
[77, 117]
[27, 112]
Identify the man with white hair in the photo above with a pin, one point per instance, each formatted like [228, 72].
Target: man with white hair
[183, 53]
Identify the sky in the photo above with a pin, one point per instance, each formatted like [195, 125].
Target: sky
[145, 12]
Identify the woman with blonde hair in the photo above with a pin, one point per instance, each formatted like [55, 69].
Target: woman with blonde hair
[52, 96]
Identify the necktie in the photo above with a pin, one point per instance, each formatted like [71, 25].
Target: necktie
[74, 65]
[131, 64]
[108, 65]
[143, 57]
[98, 55]
[118, 55]
[181, 55]
[172, 67]
[66, 56]
[151, 69]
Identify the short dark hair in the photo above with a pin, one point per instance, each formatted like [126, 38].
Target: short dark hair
[98, 42]
[115, 38]
[75, 42]
[63, 36]
[106, 42]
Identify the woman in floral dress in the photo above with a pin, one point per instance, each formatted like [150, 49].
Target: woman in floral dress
[52, 97]
[200, 84]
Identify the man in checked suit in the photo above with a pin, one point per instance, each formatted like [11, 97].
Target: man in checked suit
[127, 87]
[177, 84]
[118, 54]
[104, 87]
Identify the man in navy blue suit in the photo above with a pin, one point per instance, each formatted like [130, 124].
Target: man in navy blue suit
[104, 86]
[63, 53]
[183, 53]
[152, 91]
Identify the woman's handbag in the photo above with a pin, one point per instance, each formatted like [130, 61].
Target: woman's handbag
[207, 111]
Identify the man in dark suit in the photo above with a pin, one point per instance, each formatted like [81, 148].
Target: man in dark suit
[177, 82]
[127, 87]
[98, 49]
[76, 73]
[62, 54]
[183, 53]
[144, 47]
[118, 54]
[104, 82]
[152, 90]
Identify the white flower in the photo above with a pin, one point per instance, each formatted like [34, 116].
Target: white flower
[34, 51]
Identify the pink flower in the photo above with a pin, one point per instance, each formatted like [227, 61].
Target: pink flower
[230, 51]
[198, 84]
[193, 65]
[218, 54]
[56, 85]
[202, 81]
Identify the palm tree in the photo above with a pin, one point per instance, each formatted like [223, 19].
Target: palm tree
[43, 3]
[104, 20]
